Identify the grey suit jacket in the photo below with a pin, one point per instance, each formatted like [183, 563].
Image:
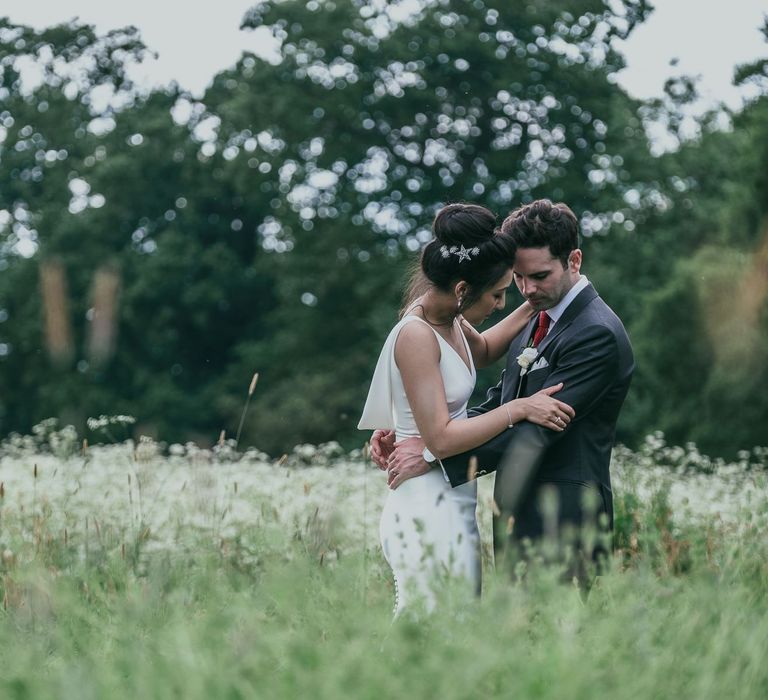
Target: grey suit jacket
[589, 351]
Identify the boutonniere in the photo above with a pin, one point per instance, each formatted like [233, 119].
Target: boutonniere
[525, 359]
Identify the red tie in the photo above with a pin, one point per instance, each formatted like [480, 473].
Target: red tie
[541, 329]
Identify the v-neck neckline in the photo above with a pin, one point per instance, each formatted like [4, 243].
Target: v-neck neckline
[469, 366]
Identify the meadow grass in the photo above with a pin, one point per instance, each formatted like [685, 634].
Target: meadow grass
[238, 578]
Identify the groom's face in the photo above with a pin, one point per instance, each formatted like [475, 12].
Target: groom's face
[541, 278]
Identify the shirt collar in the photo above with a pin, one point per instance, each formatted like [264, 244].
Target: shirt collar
[557, 311]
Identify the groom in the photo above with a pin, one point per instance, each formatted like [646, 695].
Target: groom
[548, 483]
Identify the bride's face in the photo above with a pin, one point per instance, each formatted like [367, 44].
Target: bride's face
[493, 299]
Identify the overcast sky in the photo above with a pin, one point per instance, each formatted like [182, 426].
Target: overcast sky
[196, 40]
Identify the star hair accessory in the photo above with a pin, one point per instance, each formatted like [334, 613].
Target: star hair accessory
[460, 252]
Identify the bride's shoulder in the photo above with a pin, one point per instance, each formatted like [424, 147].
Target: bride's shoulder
[415, 335]
[414, 326]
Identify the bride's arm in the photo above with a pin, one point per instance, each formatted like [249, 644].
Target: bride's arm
[417, 355]
[490, 345]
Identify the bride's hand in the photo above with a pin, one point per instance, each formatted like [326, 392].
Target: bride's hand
[382, 446]
[543, 409]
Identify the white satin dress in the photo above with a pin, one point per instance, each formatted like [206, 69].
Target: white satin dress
[428, 529]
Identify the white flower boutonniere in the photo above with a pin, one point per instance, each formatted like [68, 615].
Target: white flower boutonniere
[526, 358]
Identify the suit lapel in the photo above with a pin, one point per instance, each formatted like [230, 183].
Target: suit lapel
[571, 312]
[512, 375]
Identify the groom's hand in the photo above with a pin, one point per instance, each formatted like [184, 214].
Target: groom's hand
[382, 445]
[406, 462]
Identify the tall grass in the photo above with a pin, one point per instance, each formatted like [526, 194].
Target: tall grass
[238, 578]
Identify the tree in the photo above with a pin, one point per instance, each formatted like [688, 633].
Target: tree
[345, 146]
[269, 226]
[701, 336]
[50, 120]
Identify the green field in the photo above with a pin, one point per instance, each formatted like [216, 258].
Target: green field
[132, 571]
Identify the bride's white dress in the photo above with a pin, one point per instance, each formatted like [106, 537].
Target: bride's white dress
[428, 529]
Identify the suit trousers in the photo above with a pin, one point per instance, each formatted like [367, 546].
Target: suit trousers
[565, 522]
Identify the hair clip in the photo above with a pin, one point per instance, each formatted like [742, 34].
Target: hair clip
[460, 252]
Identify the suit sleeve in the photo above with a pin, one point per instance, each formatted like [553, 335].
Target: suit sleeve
[588, 369]
[492, 400]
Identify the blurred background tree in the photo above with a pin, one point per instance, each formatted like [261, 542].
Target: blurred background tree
[269, 226]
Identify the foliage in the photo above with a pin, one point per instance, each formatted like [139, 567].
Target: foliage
[269, 226]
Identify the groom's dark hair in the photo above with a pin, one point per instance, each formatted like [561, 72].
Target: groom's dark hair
[542, 224]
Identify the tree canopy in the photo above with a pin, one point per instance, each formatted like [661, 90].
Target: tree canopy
[156, 250]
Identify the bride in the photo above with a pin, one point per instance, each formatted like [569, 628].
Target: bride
[423, 380]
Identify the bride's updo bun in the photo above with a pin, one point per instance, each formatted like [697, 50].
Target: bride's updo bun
[466, 246]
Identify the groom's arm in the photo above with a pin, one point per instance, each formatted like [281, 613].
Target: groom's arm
[490, 452]
[492, 399]
[414, 451]
[588, 370]
[592, 369]
[488, 457]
